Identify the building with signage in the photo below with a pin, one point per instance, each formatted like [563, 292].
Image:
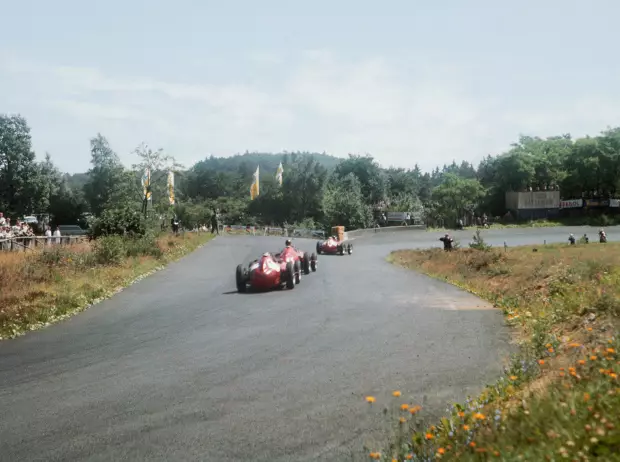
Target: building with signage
[533, 205]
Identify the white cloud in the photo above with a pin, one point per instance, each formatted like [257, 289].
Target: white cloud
[400, 112]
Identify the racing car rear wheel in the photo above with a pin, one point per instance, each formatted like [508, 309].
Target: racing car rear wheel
[350, 249]
[306, 264]
[313, 262]
[340, 249]
[240, 276]
[290, 275]
[297, 272]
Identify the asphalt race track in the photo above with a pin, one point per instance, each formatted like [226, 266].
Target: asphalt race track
[181, 367]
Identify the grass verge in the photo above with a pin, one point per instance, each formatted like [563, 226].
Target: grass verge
[42, 287]
[560, 393]
[598, 220]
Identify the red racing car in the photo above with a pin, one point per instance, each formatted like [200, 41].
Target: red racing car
[333, 246]
[267, 273]
[290, 253]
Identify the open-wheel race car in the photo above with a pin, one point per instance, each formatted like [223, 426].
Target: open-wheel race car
[308, 262]
[333, 246]
[267, 273]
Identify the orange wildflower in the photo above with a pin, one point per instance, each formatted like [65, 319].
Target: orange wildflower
[473, 444]
[396, 393]
[586, 396]
[370, 399]
[479, 416]
[541, 361]
[593, 358]
[466, 427]
[375, 455]
[611, 350]
[513, 377]
[409, 456]
[550, 350]
[404, 407]
[441, 451]
[415, 409]
[581, 362]
[402, 420]
[461, 414]
[429, 436]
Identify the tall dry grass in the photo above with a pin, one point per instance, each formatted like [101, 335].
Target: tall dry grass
[41, 286]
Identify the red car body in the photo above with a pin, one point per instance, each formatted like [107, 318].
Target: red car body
[333, 246]
[308, 262]
[267, 273]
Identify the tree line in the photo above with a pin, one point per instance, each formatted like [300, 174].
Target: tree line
[318, 190]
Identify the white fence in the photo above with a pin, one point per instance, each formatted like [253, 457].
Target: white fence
[35, 242]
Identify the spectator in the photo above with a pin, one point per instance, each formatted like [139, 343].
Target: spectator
[57, 235]
[48, 235]
[2, 220]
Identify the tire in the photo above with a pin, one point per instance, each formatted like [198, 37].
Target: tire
[290, 275]
[318, 248]
[349, 249]
[297, 268]
[340, 250]
[313, 262]
[306, 264]
[240, 277]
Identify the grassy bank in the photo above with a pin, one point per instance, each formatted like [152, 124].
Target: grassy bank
[40, 287]
[560, 396]
[599, 221]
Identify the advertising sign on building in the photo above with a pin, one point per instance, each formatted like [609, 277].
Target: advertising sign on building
[597, 203]
[571, 204]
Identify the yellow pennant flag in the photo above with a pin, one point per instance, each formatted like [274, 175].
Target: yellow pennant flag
[255, 189]
[171, 187]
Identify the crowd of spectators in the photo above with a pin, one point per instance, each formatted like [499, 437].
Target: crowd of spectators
[19, 229]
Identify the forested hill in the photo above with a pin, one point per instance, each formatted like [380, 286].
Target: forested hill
[268, 162]
[245, 163]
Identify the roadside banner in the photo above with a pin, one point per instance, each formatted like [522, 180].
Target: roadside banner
[571, 204]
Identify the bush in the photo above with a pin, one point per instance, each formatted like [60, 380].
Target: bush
[109, 250]
[147, 246]
[119, 222]
[479, 243]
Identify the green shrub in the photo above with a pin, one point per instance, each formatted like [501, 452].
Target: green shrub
[109, 250]
[147, 246]
[119, 222]
[479, 243]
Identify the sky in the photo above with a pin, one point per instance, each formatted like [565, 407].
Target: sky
[405, 81]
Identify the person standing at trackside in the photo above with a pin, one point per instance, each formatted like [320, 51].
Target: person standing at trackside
[57, 235]
[602, 237]
[447, 242]
[571, 239]
[215, 225]
[48, 235]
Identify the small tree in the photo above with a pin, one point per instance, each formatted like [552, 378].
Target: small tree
[157, 164]
[478, 242]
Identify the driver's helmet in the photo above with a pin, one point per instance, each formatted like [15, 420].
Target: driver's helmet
[334, 238]
[447, 235]
[288, 243]
[266, 254]
[600, 231]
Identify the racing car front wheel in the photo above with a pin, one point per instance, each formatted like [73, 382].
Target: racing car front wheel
[290, 275]
[318, 248]
[240, 276]
[340, 249]
[350, 249]
[313, 262]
